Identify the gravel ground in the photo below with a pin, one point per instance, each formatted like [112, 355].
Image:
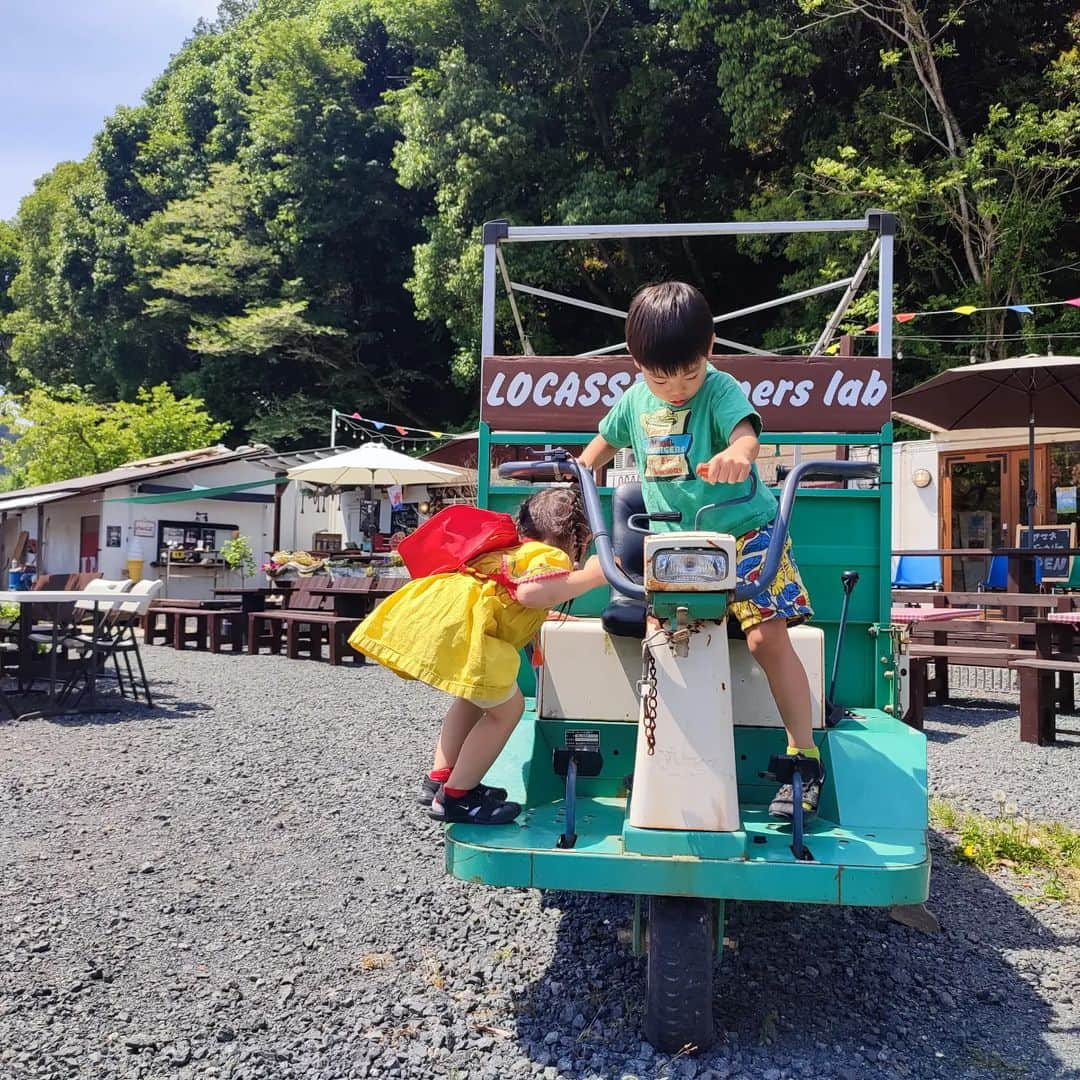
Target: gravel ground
[238, 884]
[975, 755]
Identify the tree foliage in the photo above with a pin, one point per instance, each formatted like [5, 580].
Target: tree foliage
[66, 433]
[290, 221]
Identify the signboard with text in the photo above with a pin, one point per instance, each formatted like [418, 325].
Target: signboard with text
[1049, 538]
[792, 394]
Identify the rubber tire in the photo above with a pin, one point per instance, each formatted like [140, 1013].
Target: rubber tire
[680, 958]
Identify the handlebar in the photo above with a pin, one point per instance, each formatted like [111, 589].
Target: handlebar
[806, 470]
[560, 466]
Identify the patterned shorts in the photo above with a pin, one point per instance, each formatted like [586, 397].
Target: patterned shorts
[786, 598]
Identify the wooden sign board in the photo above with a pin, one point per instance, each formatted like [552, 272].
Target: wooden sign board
[792, 393]
[1048, 538]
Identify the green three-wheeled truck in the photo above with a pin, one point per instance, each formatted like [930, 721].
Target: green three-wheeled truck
[649, 749]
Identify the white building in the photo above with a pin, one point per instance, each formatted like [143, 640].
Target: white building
[143, 509]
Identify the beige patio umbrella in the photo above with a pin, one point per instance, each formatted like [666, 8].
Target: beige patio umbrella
[375, 465]
[1003, 393]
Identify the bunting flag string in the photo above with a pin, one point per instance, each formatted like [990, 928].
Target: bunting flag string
[971, 309]
[386, 426]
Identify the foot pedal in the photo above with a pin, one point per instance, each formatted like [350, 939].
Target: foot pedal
[796, 770]
[580, 757]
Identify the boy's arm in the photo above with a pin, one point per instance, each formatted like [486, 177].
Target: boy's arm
[553, 591]
[732, 466]
[597, 454]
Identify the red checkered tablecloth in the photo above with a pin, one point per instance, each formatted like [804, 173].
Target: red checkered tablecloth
[933, 614]
[1065, 617]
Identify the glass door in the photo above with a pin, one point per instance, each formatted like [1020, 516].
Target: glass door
[974, 514]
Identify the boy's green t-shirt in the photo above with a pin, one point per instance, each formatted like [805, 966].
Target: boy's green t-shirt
[669, 443]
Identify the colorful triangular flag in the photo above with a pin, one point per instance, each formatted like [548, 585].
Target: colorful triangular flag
[379, 424]
[965, 309]
[906, 316]
[873, 328]
[1075, 301]
[1022, 309]
[357, 416]
[401, 430]
[437, 434]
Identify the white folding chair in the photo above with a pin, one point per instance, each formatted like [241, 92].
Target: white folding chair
[113, 636]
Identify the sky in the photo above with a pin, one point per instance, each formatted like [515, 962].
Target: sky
[65, 65]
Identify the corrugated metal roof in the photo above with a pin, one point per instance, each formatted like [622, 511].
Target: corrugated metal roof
[25, 502]
[147, 469]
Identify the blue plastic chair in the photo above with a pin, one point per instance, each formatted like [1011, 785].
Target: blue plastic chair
[997, 576]
[917, 572]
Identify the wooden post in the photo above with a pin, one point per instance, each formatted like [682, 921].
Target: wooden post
[279, 491]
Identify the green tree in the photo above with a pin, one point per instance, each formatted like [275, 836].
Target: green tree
[9, 267]
[65, 433]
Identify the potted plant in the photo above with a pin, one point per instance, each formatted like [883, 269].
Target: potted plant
[236, 554]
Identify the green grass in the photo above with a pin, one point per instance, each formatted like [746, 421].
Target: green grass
[1031, 849]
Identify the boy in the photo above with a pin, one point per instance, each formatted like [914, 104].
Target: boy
[695, 439]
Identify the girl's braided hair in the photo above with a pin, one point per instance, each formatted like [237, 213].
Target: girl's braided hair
[556, 516]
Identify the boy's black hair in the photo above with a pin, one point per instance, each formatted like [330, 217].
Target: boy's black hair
[669, 327]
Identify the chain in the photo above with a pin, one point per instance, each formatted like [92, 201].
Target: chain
[648, 698]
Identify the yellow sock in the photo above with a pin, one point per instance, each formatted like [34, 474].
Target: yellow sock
[812, 752]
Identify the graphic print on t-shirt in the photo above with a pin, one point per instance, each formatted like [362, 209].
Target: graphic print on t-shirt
[667, 444]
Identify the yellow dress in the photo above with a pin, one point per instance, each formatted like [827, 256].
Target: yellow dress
[459, 632]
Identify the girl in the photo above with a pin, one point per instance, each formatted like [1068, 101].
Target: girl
[461, 632]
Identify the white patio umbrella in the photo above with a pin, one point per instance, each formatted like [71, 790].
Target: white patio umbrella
[374, 464]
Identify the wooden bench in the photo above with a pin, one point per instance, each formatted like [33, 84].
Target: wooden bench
[1045, 687]
[266, 629]
[993, 643]
[169, 619]
[308, 622]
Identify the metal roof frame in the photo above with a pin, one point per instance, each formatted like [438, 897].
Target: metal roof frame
[879, 222]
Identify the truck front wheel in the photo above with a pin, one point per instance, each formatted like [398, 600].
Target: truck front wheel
[680, 958]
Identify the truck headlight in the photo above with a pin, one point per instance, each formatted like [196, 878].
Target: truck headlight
[690, 567]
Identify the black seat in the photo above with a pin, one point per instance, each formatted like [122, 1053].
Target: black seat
[624, 617]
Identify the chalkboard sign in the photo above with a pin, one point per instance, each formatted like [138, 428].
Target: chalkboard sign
[1049, 538]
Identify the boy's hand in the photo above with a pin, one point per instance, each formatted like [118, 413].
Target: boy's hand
[730, 466]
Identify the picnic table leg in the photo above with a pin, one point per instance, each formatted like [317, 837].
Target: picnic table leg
[917, 695]
[253, 634]
[1037, 707]
[292, 640]
[179, 622]
[940, 683]
[1067, 643]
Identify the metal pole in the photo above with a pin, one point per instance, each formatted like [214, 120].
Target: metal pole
[885, 291]
[493, 232]
[1032, 492]
[753, 309]
[845, 300]
[333, 428]
[536, 233]
[526, 348]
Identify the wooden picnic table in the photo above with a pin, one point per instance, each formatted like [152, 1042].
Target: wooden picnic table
[355, 601]
[253, 598]
[1047, 681]
[54, 599]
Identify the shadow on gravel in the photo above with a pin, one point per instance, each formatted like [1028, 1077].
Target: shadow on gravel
[966, 715]
[816, 991]
[115, 710]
